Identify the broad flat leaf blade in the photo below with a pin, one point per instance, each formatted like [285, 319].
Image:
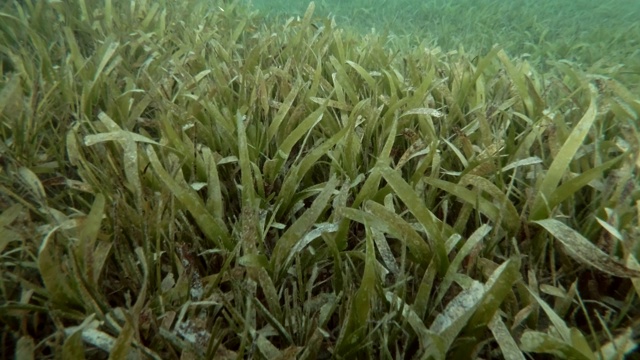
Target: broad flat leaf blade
[298, 171]
[353, 332]
[31, 180]
[25, 348]
[122, 345]
[284, 109]
[497, 288]
[456, 315]
[481, 204]
[559, 324]
[564, 157]
[73, 348]
[422, 214]
[214, 201]
[212, 229]
[570, 187]
[298, 229]
[585, 251]
[96, 252]
[619, 347]
[507, 343]
[54, 276]
[416, 244]
[249, 214]
[454, 266]
[364, 73]
[425, 336]
[538, 342]
[7, 217]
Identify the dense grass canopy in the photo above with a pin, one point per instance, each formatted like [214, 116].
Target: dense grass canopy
[603, 37]
[194, 180]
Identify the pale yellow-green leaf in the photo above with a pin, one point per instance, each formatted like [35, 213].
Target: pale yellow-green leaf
[285, 244]
[300, 131]
[31, 180]
[283, 110]
[559, 324]
[619, 348]
[7, 217]
[610, 229]
[585, 251]
[248, 187]
[364, 73]
[267, 349]
[87, 236]
[121, 348]
[25, 348]
[632, 263]
[580, 343]
[497, 288]
[373, 180]
[354, 329]
[518, 79]
[507, 343]
[464, 251]
[385, 252]
[423, 215]
[538, 342]
[457, 313]
[399, 228]
[57, 282]
[110, 48]
[421, 303]
[214, 202]
[213, 229]
[73, 348]
[571, 186]
[423, 111]
[564, 157]
[425, 336]
[10, 91]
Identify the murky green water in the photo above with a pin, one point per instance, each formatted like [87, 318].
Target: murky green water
[604, 33]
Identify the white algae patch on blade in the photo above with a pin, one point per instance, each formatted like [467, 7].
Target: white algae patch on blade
[460, 306]
[585, 251]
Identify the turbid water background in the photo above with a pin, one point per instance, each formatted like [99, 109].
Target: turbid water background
[600, 35]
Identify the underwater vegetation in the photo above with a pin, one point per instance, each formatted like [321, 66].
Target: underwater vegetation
[601, 37]
[196, 180]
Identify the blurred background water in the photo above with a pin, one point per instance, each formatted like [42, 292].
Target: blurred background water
[601, 35]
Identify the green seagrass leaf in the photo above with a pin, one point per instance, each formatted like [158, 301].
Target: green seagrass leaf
[585, 251]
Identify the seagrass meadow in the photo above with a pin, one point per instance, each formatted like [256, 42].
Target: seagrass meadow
[201, 180]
